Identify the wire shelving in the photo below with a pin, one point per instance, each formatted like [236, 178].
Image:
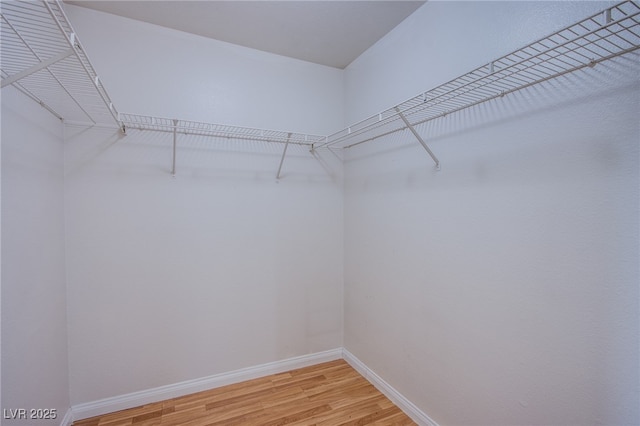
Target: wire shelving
[42, 57]
[610, 33]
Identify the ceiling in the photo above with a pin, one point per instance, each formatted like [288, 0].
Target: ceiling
[331, 33]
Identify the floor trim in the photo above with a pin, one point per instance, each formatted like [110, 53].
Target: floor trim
[67, 420]
[135, 399]
[396, 397]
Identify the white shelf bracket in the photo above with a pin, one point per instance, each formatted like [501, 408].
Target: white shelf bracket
[284, 152]
[175, 136]
[37, 67]
[121, 125]
[77, 50]
[422, 142]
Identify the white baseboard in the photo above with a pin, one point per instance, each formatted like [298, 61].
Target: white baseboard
[136, 399]
[67, 420]
[396, 397]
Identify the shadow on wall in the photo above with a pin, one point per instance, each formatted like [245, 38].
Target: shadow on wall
[145, 152]
[211, 158]
[470, 139]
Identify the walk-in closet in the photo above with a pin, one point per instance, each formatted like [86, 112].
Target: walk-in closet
[441, 229]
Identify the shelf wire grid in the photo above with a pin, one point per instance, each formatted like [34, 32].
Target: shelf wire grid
[143, 122]
[38, 40]
[34, 33]
[42, 57]
[600, 37]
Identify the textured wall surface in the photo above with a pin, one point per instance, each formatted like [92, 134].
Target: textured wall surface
[502, 289]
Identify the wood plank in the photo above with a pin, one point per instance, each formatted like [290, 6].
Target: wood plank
[327, 394]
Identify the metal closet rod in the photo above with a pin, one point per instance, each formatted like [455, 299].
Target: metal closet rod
[42, 64]
[42, 28]
[195, 128]
[75, 44]
[176, 127]
[602, 36]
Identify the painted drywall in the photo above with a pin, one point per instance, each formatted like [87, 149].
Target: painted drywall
[426, 51]
[222, 267]
[150, 70]
[502, 289]
[34, 322]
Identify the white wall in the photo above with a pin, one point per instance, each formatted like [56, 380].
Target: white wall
[502, 289]
[222, 267]
[34, 327]
[446, 39]
[150, 70]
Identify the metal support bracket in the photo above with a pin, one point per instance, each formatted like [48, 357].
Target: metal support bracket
[37, 67]
[284, 152]
[175, 136]
[422, 142]
[121, 125]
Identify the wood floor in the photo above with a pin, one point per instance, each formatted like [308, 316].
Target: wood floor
[328, 394]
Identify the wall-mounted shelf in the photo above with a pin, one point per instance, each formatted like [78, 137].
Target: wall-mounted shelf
[600, 37]
[184, 127]
[43, 58]
[143, 122]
